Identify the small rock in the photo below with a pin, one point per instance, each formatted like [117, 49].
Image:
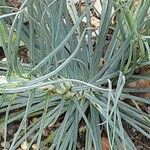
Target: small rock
[4, 59]
[46, 132]
[24, 145]
[34, 120]
[133, 130]
[34, 146]
[7, 144]
[82, 130]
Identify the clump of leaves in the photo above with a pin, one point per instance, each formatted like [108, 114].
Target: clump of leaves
[70, 77]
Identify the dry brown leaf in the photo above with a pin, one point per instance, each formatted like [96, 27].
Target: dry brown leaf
[105, 143]
[143, 70]
[141, 84]
[15, 3]
[95, 22]
[82, 8]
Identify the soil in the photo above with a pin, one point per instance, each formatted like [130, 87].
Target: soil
[140, 141]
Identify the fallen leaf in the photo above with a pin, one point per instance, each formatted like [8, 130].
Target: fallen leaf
[141, 84]
[105, 143]
[15, 3]
[95, 22]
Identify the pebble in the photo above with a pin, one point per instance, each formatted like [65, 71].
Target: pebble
[82, 130]
[133, 130]
[34, 146]
[45, 132]
[7, 144]
[24, 145]
[34, 120]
